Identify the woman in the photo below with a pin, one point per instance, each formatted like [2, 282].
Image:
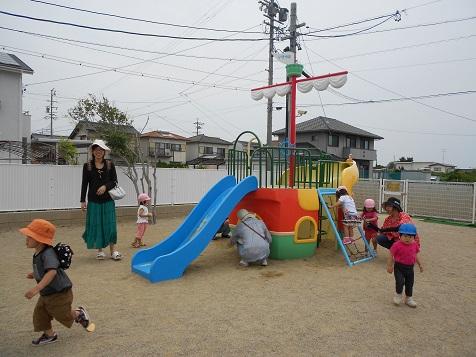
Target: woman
[99, 176]
[253, 239]
[396, 217]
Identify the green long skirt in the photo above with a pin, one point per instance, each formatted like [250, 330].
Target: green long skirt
[101, 229]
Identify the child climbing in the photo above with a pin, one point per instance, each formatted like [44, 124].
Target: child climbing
[370, 221]
[142, 220]
[53, 285]
[346, 202]
[402, 258]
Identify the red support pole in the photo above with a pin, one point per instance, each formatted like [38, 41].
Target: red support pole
[292, 131]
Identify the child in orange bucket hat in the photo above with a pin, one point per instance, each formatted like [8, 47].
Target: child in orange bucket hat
[53, 285]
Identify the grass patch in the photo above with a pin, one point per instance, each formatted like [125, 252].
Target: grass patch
[446, 221]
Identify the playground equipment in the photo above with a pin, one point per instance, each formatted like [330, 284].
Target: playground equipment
[285, 186]
[169, 258]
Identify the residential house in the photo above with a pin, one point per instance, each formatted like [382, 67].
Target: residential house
[15, 123]
[432, 166]
[207, 151]
[337, 139]
[164, 146]
[87, 131]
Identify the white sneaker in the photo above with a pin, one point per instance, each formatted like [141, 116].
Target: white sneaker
[397, 299]
[116, 255]
[243, 263]
[410, 302]
[264, 263]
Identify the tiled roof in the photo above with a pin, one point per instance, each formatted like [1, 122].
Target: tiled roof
[207, 140]
[92, 125]
[10, 61]
[163, 135]
[323, 124]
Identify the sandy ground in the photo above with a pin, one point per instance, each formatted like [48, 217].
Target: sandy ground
[311, 307]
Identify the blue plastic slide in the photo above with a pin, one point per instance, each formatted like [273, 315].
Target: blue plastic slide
[168, 259]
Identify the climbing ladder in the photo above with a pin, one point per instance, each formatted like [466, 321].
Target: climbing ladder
[352, 254]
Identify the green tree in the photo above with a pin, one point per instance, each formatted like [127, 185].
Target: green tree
[459, 176]
[68, 151]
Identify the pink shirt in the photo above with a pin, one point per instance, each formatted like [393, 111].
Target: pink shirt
[369, 232]
[405, 253]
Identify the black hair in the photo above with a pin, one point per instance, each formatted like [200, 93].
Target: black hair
[341, 192]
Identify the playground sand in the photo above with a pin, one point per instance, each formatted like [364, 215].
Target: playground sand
[312, 307]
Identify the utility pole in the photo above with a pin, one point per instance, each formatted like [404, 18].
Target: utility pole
[271, 9]
[443, 151]
[198, 125]
[293, 26]
[51, 110]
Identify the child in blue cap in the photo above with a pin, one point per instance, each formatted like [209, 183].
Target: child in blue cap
[402, 258]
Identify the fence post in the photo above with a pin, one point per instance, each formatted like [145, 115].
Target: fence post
[474, 202]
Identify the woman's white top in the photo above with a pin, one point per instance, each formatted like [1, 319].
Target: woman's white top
[144, 212]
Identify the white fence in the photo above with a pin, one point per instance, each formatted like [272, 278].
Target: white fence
[448, 200]
[44, 187]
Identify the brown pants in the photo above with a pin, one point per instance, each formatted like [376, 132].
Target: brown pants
[54, 306]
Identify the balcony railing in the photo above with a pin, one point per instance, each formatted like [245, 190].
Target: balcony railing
[360, 154]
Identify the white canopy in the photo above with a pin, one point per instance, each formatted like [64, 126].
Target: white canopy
[304, 87]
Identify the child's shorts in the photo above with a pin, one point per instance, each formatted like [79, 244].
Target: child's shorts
[351, 219]
[141, 227]
[55, 306]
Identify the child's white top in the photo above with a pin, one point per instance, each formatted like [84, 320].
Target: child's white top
[348, 204]
[144, 212]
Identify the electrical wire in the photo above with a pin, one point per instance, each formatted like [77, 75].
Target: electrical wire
[406, 27]
[74, 42]
[140, 20]
[95, 28]
[396, 93]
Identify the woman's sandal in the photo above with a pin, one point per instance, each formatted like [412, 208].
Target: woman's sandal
[100, 256]
[135, 245]
[142, 244]
[116, 255]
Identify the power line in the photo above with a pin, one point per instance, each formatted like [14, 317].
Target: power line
[377, 101]
[65, 23]
[404, 28]
[177, 54]
[114, 69]
[396, 93]
[141, 20]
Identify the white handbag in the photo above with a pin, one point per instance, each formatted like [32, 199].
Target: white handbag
[117, 192]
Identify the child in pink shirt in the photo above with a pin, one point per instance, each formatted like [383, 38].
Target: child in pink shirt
[402, 258]
[370, 221]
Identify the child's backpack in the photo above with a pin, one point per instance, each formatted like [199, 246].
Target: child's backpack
[65, 255]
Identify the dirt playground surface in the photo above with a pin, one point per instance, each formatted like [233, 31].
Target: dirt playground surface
[311, 307]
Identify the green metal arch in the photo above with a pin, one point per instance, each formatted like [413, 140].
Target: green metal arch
[246, 132]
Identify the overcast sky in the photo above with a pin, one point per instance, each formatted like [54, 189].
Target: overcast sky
[418, 61]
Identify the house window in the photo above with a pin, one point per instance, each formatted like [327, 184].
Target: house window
[176, 147]
[437, 169]
[208, 150]
[365, 144]
[221, 152]
[333, 140]
[83, 137]
[313, 138]
[350, 142]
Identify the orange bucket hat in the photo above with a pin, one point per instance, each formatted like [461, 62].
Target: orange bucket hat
[40, 230]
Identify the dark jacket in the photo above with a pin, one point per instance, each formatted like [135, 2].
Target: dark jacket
[94, 178]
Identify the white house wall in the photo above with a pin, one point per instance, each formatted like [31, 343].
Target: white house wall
[11, 114]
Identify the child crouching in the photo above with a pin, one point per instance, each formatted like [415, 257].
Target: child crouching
[402, 258]
[53, 285]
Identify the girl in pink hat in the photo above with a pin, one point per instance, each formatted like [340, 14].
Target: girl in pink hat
[142, 220]
[370, 221]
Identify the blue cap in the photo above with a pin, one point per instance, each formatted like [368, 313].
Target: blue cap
[408, 229]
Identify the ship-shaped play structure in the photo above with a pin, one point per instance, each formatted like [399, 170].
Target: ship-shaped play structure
[287, 187]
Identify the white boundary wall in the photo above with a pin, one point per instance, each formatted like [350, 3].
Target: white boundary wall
[447, 200]
[44, 187]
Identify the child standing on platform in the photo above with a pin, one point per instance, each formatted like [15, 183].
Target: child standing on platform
[346, 202]
[142, 220]
[370, 221]
[53, 285]
[402, 258]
